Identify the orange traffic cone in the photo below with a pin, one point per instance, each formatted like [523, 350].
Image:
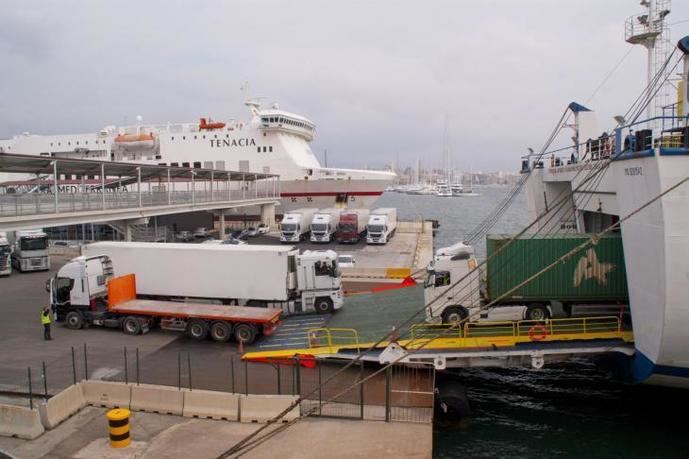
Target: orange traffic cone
[313, 340]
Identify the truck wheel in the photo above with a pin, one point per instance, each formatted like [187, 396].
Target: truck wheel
[74, 320]
[454, 314]
[197, 329]
[324, 305]
[220, 332]
[131, 325]
[537, 311]
[245, 333]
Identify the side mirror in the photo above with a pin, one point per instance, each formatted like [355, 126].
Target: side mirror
[47, 285]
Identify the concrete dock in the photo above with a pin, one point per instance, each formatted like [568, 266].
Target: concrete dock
[85, 436]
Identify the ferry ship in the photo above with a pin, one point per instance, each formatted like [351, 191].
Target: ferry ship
[272, 141]
[647, 155]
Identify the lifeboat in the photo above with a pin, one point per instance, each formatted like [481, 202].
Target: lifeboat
[205, 126]
[135, 141]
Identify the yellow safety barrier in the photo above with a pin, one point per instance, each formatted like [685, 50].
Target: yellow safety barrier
[326, 341]
[118, 426]
[397, 273]
[332, 338]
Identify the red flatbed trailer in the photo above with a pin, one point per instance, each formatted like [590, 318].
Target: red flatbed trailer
[197, 319]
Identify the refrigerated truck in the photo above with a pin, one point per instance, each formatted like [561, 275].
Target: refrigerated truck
[250, 275]
[85, 292]
[381, 225]
[593, 279]
[352, 226]
[30, 250]
[5, 251]
[296, 225]
[324, 225]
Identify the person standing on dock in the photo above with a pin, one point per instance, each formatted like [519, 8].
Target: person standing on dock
[46, 321]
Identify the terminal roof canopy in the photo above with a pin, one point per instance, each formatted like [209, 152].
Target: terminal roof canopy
[13, 163]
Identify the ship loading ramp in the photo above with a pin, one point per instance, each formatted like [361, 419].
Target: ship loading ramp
[483, 344]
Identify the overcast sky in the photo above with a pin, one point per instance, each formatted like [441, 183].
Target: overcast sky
[377, 77]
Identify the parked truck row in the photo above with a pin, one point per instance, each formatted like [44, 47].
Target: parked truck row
[23, 251]
[343, 225]
[593, 280]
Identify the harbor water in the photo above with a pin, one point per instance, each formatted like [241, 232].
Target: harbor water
[573, 409]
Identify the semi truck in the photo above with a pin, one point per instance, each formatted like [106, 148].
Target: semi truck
[5, 251]
[591, 280]
[324, 225]
[250, 275]
[85, 292]
[30, 250]
[381, 225]
[352, 226]
[296, 224]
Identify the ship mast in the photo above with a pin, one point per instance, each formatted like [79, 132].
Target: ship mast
[649, 30]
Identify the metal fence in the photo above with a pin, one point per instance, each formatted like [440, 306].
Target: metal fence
[13, 205]
[397, 394]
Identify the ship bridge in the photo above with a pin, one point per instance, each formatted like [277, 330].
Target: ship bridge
[282, 121]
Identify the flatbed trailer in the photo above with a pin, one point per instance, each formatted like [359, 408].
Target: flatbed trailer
[199, 320]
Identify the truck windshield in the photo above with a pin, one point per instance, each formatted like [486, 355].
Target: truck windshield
[4, 249]
[347, 227]
[319, 227]
[34, 243]
[376, 228]
[289, 227]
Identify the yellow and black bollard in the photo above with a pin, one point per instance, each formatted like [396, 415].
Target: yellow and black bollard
[118, 425]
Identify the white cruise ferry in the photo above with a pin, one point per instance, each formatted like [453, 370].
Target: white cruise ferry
[609, 176]
[272, 141]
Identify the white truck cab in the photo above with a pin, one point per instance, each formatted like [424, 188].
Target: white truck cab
[30, 250]
[5, 251]
[295, 225]
[79, 284]
[324, 225]
[319, 273]
[447, 302]
[382, 224]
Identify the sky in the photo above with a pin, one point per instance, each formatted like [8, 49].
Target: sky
[378, 78]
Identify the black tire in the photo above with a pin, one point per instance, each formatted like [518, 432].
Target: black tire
[455, 314]
[131, 325]
[536, 311]
[74, 320]
[246, 333]
[197, 329]
[324, 305]
[221, 331]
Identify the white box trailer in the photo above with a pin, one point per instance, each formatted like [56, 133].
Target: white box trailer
[296, 224]
[252, 275]
[324, 225]
[382, 224]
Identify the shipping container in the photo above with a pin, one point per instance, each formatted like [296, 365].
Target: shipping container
[596, 273]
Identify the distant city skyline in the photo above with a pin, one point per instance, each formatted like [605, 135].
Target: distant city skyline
[377, 78]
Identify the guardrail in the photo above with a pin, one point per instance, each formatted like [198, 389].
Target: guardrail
[332, 337]
[533, 330]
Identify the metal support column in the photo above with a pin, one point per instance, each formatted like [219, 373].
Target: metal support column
[169, 190]
[102, 184]
[138, 171]
[221, 217]
[55, 185]
[212, 186]
[256, 186]
[193, 189]
[243, 187]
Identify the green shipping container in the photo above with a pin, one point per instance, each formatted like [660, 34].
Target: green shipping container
[594, 274]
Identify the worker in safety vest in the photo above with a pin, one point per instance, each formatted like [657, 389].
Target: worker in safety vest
[46, 321]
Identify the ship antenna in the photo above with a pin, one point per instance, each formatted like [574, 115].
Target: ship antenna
[650, 30]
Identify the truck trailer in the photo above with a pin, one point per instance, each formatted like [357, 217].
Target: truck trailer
[593, 279]
[251, 275]
[85, 292]
[30, 250]
[324, 225]
[352, 226]
[381, 225]
[296, 225]
[5, 251]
